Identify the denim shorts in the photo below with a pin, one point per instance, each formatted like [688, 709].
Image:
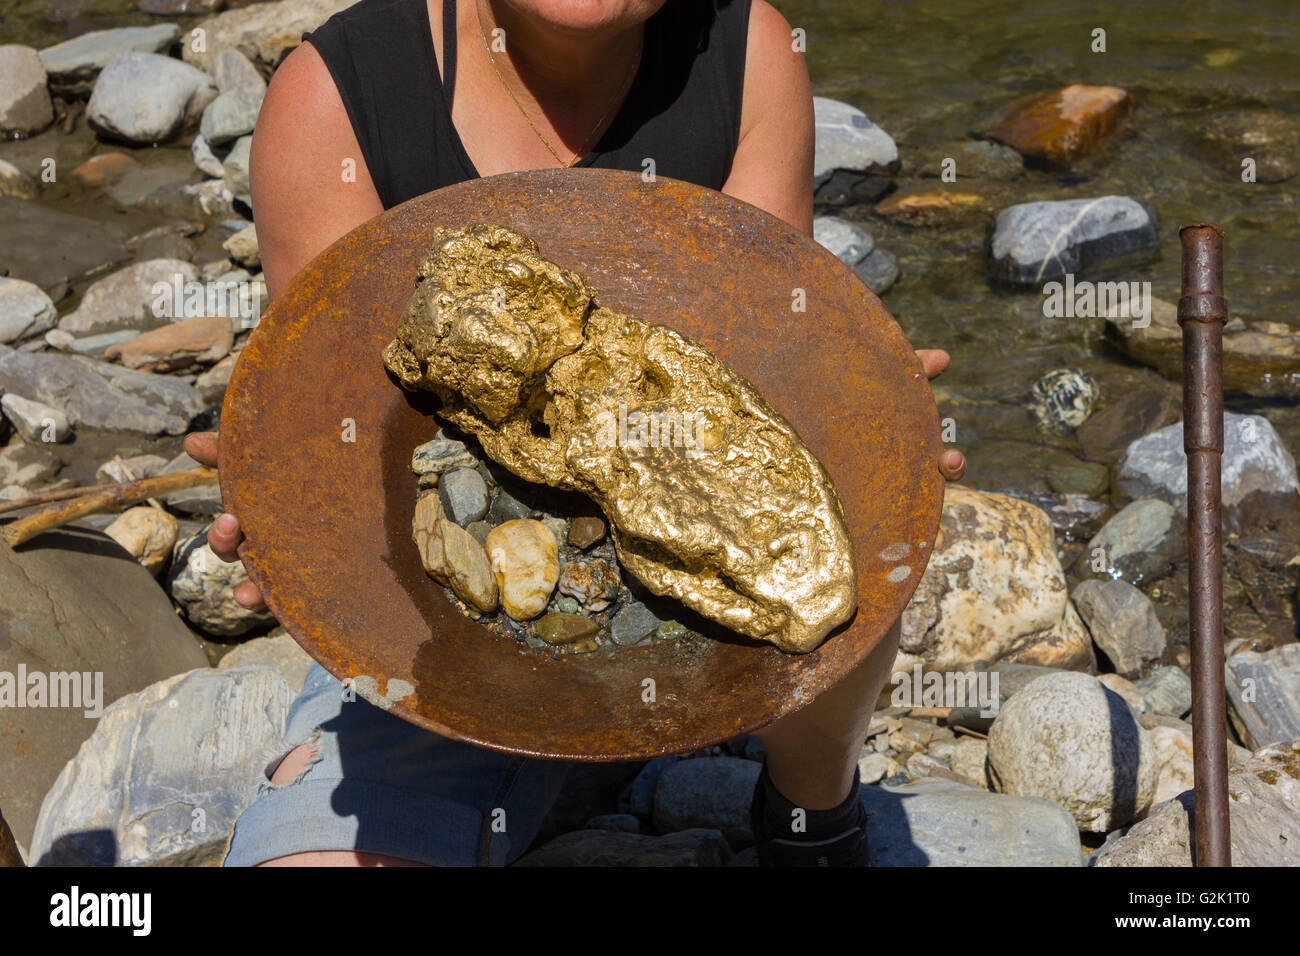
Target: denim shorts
[379, 784]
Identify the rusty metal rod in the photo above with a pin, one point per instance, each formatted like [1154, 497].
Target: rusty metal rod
[1202, 310]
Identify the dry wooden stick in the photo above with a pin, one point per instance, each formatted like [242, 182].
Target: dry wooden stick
[103, 498]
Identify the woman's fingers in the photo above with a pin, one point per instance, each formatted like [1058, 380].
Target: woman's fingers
[224, 537]
[247, 595]
[952, 464]
[934, 361]
[202, 447]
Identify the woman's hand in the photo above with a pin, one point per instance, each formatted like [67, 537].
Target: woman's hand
[952, 463]
[224, 534]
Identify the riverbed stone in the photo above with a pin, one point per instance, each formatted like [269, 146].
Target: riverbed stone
[1141, 542]
[847, 241]
[1039, 241]
[1264, 694]
[25, 106]
[594, 583]
[25, 310]
[1172, 746]
[712, 792]
[1258, 472]
[879, 270]
[263, 32]
[1166, 691]
[930, 207]
[235, 169]
[166, 773]
[633, 623]
[179, 346]
[434, 457]
[146, 533]
[1062, 399]
[26, 465]
[72, 600]
[36, 421]
[585, 531]
[1263, 812]
[1271, 137]
[99, 394]
[561, 628]
[120, 469]
[1262, 358]
[1064, 124]
[920, 824]
[242, 247]
[464, 495]
[144, 98]
[1123, 623]
[469, 572]
[127, 299]
[525, 560]
[232, 114]
[1124, 418]
[204, 587]
[992, 591]
[74, 64]
[1068, 738]
[847, 139]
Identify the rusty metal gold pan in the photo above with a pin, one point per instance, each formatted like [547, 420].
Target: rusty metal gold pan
[316, 443]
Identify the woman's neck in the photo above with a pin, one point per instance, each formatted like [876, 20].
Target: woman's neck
[550, 60]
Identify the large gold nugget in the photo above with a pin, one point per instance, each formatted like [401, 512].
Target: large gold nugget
[711, 496]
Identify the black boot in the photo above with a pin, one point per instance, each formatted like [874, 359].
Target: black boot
[835, 837]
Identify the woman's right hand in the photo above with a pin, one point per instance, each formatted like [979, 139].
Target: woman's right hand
[224, 534]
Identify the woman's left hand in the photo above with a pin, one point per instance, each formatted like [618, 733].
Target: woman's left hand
[952, 463]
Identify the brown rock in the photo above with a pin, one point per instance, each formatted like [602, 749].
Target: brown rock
[586, 531]
[930, 207]
[176, 346]
[561, 628]
[148, 534]
[104, 168]
[1065, 124]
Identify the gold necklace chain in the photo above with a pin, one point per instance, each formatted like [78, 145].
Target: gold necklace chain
[583, 148]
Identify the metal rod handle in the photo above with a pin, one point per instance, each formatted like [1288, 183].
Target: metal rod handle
[1202, 310]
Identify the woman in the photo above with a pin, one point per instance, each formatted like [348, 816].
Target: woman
[392, 98]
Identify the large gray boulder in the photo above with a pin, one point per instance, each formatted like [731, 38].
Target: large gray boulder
[1258, 472]
[993, 590]
[25, 106]
[72, 601]
[1264, 694]
[1070, 739]
[73, 64]
[1263, 817]
[1039, 241]
[101, 395]
[144, 98]
[934, 823]
[166, 772]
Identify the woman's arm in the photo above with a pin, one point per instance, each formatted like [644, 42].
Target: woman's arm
[309, 183]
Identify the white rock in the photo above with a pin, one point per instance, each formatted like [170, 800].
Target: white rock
[148, 534]
[849, 243]
[74, 64]
[524, 558]
[25, 310]
[242, 247]
[25, 105]
[145, 98]
[204, 158]
[204, 586]
[846, 139]
[993, 591]
[36, 421]
[1070, 739]
[14, 182]
[264, 32]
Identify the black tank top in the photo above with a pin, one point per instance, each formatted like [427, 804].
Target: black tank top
[682, 109]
